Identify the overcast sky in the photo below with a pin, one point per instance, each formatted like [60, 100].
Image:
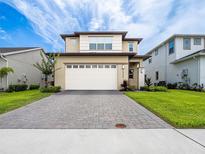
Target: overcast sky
[39, 22]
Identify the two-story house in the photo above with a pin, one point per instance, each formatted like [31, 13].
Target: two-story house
[99, 61]
[180, 58]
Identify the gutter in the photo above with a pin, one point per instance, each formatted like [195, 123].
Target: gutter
[7, 64]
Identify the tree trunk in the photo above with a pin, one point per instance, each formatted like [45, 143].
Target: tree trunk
[46, 81]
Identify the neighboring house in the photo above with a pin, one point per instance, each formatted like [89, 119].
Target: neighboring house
[21, 60]
[180, 58]
[99, 61]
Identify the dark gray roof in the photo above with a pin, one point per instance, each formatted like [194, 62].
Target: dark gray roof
[189, 56]
[7, 50]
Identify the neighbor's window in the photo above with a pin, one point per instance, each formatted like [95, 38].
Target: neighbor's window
[156, 52]
[131, 47]
[186, 43]
[92, 46]
[150, 60]
[131, 73]
[171, 47]
[157, 75]
[197, 41]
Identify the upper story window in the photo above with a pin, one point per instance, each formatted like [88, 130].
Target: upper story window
[171, 47]
[130, 46]
[197, 41]
[100, 43]
[156, 52]
[92, 46]
[150, 60]
[187, 44]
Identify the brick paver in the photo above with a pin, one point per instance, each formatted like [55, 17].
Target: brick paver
[82, 109]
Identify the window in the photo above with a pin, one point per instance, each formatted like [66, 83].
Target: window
[197, 41]
[187, 44]
[81, 66]
[69, 66]
[94, 66]
[92, 46]
[145, 77]
[108, 46]
[100, 43]
[150, 60]
[87, 66]
[100, 46]
[75, 66]
[113, 66]
[131, 73]
[100, 66]
[130, 46]
[157, 75]
[156, 52]
[107, 66]
[171, 47]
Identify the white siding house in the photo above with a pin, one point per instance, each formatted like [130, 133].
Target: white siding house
[177, 57]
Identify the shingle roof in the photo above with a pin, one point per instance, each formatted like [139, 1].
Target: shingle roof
[8, 50]
[123, 33]
[197, 53]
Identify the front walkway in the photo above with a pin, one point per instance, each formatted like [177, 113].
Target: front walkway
[82, 109]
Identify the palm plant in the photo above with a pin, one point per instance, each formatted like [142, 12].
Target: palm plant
[4, 71]
[46, 66]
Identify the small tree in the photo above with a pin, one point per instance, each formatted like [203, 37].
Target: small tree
[148, 82]
[4, 71]
[47, 66]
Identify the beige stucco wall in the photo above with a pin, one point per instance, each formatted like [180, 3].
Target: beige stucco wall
[121, 61]
[125, 46]
[70, 47]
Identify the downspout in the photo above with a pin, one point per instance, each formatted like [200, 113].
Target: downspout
[6, 66]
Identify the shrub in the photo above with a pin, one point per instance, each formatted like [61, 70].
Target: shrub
[160, 88]
[162, 83]
[183, 86]
[148, 82]
[34, 86]
[154, 88]
[172, 86]
[51, 89]
[17, 87]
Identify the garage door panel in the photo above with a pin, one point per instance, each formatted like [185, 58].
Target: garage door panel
[91, 78]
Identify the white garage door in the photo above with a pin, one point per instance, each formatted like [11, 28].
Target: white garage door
[91, 77]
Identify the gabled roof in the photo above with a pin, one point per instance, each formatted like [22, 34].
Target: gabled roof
[172, 37]
[76, 34]
[16, 50]
[195, 54]
[123, 33]
[7, 49]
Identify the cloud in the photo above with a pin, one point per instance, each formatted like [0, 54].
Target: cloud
[3, 35]
[154, 20]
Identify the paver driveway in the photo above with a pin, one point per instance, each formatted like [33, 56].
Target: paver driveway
[82, 109]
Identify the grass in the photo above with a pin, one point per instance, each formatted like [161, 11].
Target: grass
[14, 100]
[181, 108]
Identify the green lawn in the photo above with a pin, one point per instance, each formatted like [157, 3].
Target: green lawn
[11, 101]
[181, 108]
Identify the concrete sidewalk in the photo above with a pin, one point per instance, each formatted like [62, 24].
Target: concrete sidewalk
[101, 141]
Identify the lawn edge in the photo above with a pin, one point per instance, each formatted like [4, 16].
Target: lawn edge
[163, 118]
